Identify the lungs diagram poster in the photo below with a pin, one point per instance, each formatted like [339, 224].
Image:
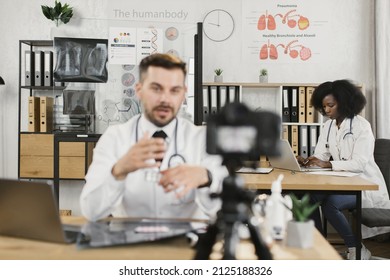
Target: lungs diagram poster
[284, 31]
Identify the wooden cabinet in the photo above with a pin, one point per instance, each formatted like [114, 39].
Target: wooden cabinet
[36, 157]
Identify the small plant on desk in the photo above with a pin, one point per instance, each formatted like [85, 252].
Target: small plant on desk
[300, 230]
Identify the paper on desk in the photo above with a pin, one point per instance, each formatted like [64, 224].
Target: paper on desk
[334, 173]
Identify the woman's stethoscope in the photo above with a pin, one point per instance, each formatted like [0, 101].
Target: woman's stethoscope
[345, 135]
[175, 159]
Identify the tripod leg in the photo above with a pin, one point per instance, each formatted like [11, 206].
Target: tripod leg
[261, 249]
[206, 243]
[230, 241]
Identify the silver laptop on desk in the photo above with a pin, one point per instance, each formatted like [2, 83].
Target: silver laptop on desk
[288, 161]
[29, 210]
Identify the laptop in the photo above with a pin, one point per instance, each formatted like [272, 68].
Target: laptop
[29, 210]
[287, 160]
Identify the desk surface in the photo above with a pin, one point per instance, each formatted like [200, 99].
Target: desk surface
[172, 249]
[306, 181]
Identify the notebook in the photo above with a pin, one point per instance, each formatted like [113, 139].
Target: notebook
[29, 210]
[288, 161]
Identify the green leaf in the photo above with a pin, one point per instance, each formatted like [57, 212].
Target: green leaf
[58, 8]
[46, 12]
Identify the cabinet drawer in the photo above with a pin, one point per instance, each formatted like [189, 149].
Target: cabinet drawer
[36, 144]
[72, 167]
[72, 149]
[36, 166]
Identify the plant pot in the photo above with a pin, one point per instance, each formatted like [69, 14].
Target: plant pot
[218, 79]
[263, 79]
[300, 234]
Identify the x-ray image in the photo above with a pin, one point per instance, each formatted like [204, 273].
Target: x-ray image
[79, 102]
[81, 60]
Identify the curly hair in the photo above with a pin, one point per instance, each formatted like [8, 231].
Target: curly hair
[350, 99]
[163, 60]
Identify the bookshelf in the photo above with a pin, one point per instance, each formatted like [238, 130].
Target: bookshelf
[36, 145]
[291, 101]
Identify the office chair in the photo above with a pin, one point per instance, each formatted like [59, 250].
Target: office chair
[377, 217]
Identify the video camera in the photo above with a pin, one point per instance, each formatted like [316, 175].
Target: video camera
[240, 134]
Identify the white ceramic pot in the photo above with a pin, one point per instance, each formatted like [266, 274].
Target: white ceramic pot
[300, 234]
[218, 79]
[263, 79]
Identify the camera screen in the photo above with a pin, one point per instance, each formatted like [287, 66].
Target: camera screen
[236, 139]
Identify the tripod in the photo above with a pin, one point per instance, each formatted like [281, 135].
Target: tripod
[234, 211]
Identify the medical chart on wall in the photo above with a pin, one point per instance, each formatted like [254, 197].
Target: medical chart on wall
[284, 31]
[131, 45]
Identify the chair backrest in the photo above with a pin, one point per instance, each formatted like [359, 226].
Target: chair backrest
[382, 159]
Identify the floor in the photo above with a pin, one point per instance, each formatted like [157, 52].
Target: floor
[379, 246]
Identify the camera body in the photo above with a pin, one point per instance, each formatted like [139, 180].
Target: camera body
[240, 134]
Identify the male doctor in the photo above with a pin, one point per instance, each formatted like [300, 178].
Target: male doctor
[154, 165]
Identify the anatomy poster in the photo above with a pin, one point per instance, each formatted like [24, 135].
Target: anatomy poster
[284, 31]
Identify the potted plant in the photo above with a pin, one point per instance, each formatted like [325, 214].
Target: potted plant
[300, 228]
[58, 12]
[218, 78]
[263, 78]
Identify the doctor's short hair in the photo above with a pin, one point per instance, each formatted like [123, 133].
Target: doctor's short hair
[350, 99]
[163, 60]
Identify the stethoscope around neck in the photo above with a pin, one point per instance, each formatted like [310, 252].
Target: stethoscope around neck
[175, 159]
[346, 134]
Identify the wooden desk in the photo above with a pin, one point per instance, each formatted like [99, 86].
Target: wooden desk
[173, 249]
[305, 182]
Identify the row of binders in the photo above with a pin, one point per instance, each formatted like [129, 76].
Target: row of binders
[302, 138]
[38, 68]
[40, 114]
[297, 105]
[215, 97]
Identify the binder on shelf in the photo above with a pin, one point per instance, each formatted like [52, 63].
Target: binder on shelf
[222, 96]
[294, 105]
[205, 103]
[46, 114]
[286, 106]
[48, 69]
[303, 141]
[302, 104]
[309, 107]
[29, 68]
[33, 114]
[294, 139]
[232, 94]
[38, 69]
[213, 98]
[237, 94]
[313, 139]
[285, 133]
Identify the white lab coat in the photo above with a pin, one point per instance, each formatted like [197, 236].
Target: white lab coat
[355, 153]
[103, 195]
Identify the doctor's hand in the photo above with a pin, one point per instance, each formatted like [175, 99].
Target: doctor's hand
[183, 178]
[302, 160]
[142, 154]
[313, 161]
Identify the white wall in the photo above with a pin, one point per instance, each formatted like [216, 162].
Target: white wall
[351, 51]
